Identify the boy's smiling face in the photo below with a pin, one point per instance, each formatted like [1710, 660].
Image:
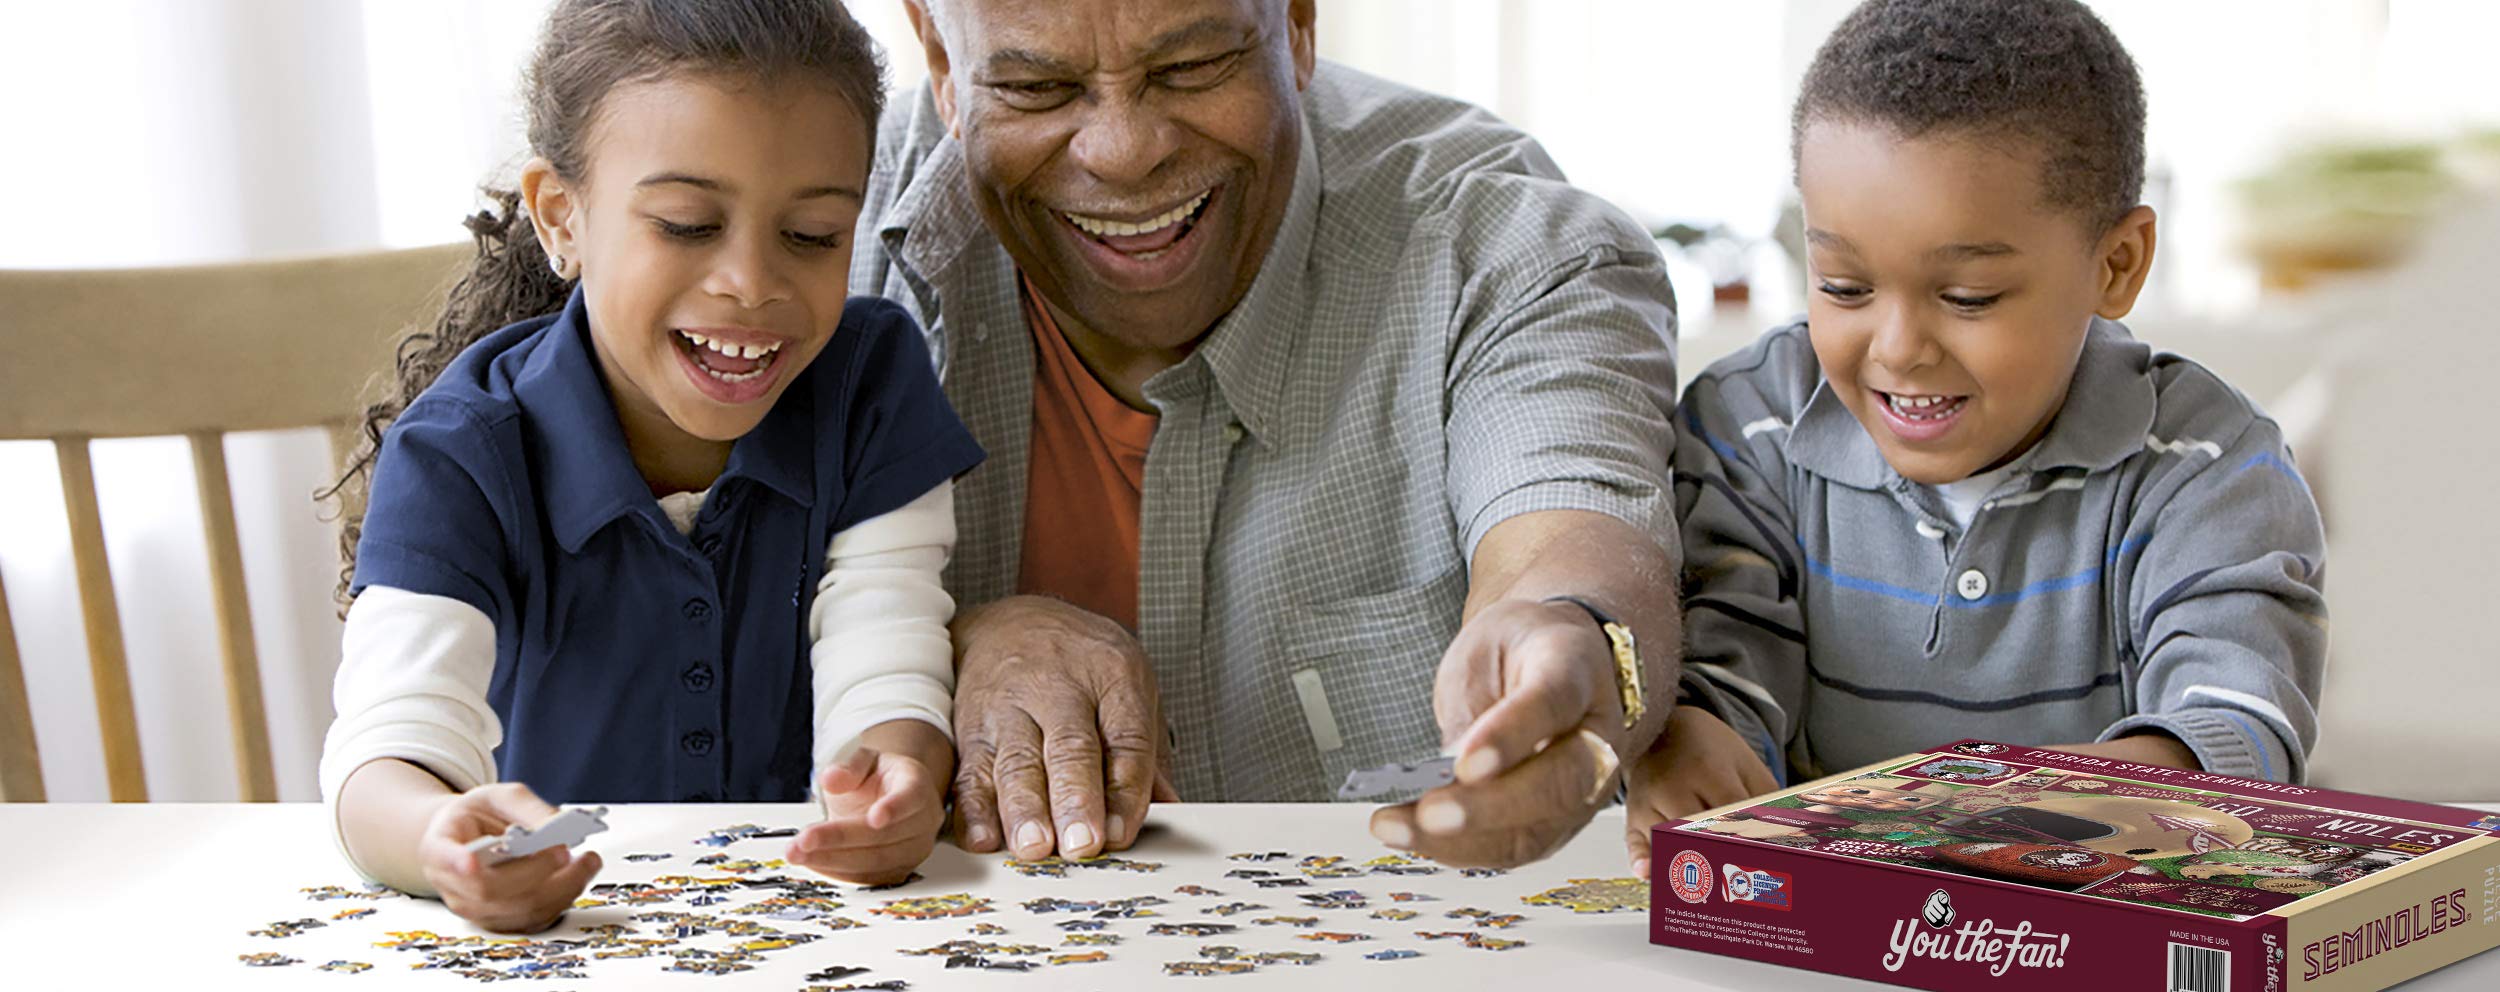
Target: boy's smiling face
[1948, 298]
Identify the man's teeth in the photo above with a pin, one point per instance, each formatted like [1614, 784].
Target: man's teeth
[728, 350]
[1922, 407]
[1116, 229]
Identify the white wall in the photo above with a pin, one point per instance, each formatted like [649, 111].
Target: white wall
[164, 131]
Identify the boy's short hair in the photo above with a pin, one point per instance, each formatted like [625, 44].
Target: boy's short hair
[2045, 71]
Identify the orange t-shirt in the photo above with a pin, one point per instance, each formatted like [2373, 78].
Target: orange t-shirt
[1085, 482]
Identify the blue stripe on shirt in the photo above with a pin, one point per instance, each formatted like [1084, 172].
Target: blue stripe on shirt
[2078, 580]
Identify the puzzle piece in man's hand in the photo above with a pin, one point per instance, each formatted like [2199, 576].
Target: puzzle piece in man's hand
[1399, 776]
[567, 828]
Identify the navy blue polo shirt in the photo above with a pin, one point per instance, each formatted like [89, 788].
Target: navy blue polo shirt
[633, 663]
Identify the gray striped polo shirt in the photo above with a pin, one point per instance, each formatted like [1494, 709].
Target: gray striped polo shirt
[2156, 562]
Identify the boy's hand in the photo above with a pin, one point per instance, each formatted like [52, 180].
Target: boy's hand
[524, 895]
[2150, 747]
[1698, 763]
[883, 809]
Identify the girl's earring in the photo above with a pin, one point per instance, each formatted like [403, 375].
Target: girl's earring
[555, 263]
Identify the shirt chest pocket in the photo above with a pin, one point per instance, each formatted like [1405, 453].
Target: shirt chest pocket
[1360, 672]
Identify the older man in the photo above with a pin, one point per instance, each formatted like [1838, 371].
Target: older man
[1327, 428]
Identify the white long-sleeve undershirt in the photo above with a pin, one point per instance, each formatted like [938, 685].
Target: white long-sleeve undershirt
[414, 670]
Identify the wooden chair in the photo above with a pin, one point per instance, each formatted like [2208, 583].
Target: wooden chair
[193, 351]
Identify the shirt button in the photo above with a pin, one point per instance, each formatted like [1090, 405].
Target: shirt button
[1971, 585]
[1233, 433]
[697, 743]
[709, 545]
[697, 609]
[698, 677]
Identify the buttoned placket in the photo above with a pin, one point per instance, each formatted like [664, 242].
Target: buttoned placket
[697, 710]
[1184, 469]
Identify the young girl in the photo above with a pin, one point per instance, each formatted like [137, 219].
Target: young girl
[674, 533]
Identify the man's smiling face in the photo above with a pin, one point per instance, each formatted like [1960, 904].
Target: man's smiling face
[1133, 156]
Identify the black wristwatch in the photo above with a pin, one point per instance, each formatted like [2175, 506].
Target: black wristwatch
[1628, 677]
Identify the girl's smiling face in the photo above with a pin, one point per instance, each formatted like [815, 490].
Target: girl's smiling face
[712, 232]
[1948, 298]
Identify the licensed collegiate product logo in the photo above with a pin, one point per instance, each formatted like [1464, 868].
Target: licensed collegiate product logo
[1689, 877]
[1980, 747]
[1983, 942]
[1758, 887]
[1937, 910]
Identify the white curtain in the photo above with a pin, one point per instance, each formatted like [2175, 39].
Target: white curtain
[165, 131]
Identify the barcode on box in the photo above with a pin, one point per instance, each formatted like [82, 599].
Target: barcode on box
[2199, 969]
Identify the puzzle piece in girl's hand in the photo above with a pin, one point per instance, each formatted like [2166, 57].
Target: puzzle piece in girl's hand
[1399, 776]
[567, 828]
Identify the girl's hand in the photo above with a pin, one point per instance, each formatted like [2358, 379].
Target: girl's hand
[1698, 763]
[524, 895]
[883, 809]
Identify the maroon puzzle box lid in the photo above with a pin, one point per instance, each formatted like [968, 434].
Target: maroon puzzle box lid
[2071, 854]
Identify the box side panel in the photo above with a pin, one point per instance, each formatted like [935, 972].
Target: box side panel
[2402, 924]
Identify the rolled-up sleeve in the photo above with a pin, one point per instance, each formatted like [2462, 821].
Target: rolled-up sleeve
[1565, 400]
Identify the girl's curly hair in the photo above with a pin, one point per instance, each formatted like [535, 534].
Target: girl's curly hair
[587, 49]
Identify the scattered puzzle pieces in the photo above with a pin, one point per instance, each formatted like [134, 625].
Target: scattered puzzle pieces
[1597, 895]
[935, 907]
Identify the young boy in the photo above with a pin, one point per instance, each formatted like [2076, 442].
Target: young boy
[1960, 500]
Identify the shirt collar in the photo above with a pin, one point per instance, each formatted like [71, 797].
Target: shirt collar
[587, 476]
[2108, 411]
[1251, 348]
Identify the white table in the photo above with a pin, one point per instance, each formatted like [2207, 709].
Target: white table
[161, 896]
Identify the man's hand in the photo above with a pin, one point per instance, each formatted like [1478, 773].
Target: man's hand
[1526, 698]
[524, 895]
[884, 801]
[1698, 763]
[1057, 723]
